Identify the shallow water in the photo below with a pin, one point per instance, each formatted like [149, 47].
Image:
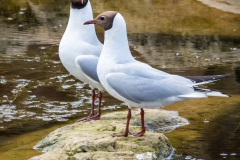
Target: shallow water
[37, 94]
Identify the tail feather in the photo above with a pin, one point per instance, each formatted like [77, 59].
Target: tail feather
[216, 94]
[209, 92]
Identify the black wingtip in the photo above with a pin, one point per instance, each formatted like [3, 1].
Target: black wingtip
[199, 79]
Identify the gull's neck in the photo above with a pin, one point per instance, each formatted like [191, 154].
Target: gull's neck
[75, 27]
[116, 41]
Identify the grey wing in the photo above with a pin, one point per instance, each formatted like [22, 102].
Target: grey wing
[141, 89]
[88, 65]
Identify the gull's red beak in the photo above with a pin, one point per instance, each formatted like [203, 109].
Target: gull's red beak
[81, 1]
[89, 22]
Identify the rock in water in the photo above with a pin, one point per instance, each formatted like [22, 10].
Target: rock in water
[92, 140]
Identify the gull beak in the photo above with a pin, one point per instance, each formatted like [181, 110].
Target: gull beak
[81, 1]
[89, 22]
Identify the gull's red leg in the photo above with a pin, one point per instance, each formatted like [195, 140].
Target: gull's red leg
[125, 134]
[92, 108]
[141, 133]
[93, 103]
[97, 117]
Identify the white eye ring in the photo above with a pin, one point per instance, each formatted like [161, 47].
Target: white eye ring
[102, 18]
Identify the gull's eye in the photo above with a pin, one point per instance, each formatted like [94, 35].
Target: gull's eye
[102, 18]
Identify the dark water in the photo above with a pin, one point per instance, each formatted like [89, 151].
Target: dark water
[36, 92]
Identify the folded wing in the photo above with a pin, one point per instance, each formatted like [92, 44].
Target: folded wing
[88, 65]
[143, 89]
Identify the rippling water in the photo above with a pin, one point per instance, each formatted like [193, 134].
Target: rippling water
[184, 38]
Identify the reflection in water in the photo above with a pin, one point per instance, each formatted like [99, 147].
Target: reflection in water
[213, 132]
[177, 51]
[24, 23]
[237, 74]
[228, 138]
[36, 91]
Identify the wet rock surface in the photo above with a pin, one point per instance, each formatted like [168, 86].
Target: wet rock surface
[93, 140]
[161, 121]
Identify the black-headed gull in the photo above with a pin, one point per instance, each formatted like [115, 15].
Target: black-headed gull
[79, 50]
[136, 83]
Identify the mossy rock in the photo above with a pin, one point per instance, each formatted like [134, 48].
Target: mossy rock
[92, 140]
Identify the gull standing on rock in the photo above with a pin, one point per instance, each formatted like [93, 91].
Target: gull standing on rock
[136, 83]
[79, 50]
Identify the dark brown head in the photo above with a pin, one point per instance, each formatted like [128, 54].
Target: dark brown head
[78, 4]
[104, 20]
